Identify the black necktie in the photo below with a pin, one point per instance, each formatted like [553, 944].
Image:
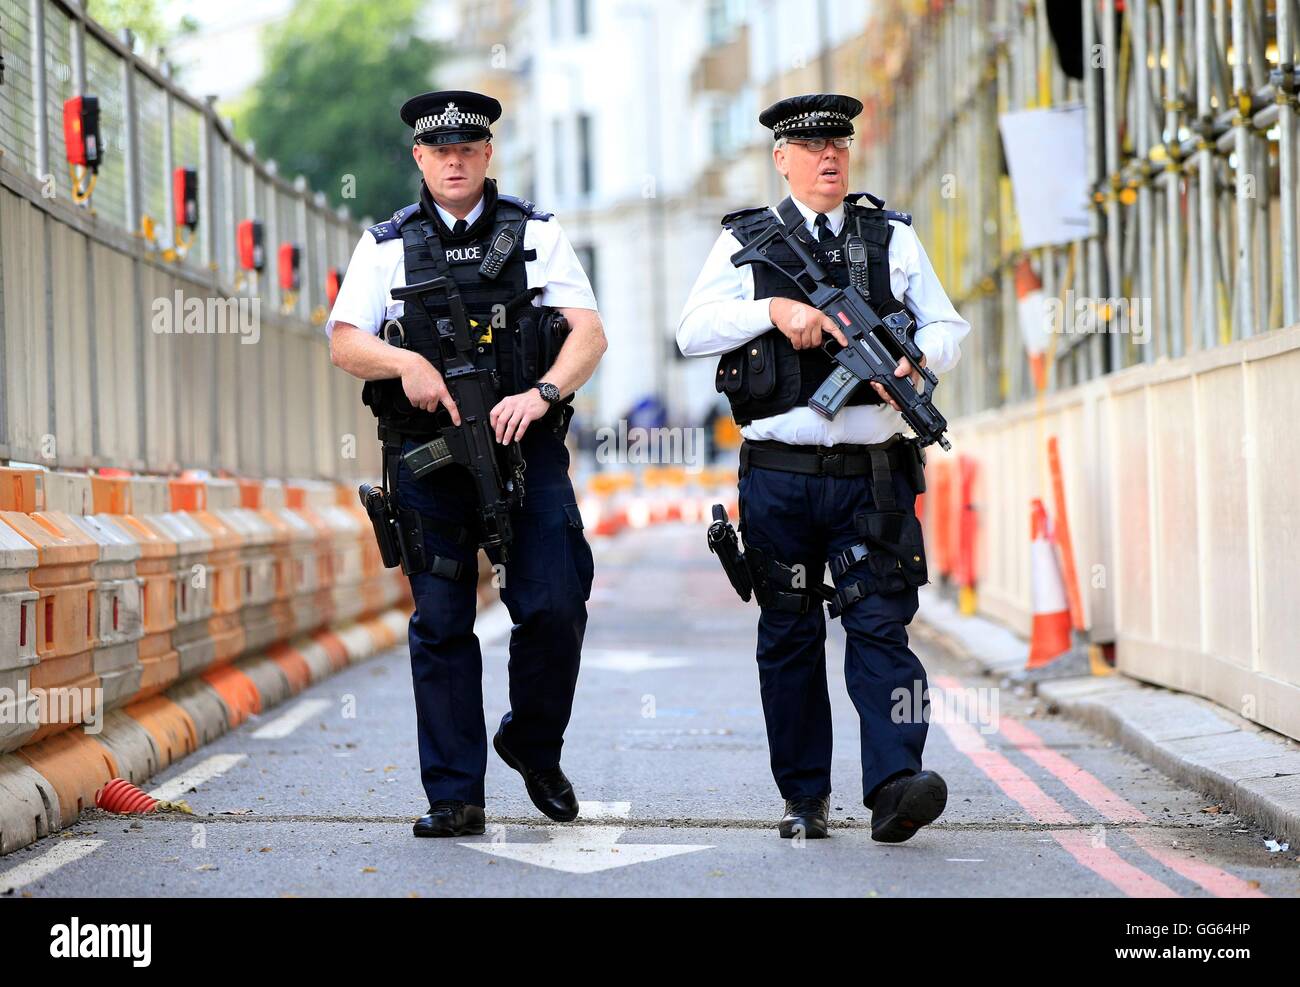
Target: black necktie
[460, 228]
[822, 227]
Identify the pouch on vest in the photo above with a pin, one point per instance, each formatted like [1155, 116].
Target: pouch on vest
[761, 372]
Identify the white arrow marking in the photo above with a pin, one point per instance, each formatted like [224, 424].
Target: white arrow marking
[630, 662]
[588, 849]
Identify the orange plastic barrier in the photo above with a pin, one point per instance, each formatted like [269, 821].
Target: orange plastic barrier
[65, 618]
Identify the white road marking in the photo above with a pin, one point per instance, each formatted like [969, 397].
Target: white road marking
[212, 767]
[588, 849]
[629, 661]
[61, 853]
[604, 810]
[291, 720]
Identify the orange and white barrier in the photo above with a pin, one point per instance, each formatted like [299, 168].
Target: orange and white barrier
[185, 604]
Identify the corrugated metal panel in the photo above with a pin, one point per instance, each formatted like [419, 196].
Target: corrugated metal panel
[118, 399]
[26, 385]
[72, 346]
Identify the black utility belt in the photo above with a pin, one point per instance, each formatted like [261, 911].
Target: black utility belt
[842, 459]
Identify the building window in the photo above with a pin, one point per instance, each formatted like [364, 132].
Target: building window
[718, 140]
[585, 152]
[580, 13]
[587, 258]
[554, 7]
[715, 22]
[557, 157]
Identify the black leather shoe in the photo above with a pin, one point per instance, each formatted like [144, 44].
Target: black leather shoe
[904, 805]
[549, 789]
[448, 817]
[805, 817]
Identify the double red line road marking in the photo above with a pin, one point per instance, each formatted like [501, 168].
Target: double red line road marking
[1080, 844]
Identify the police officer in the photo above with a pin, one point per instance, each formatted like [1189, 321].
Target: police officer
[516, 273]
[814, 491]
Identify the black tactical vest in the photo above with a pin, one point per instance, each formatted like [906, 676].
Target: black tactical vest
[513, 337]
[767, 375]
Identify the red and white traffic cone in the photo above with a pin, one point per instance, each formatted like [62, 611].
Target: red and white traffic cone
[1051, 644]
[1032, 312]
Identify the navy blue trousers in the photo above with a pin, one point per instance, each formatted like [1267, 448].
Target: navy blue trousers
[803, 520]
[544, 585]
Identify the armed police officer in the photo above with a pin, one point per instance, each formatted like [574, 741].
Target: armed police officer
[492, 302]
[814, 491]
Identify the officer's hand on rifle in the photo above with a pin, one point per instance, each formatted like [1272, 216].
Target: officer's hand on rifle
[425, 388]
[512, 415]
[904, 370]
[802, 324]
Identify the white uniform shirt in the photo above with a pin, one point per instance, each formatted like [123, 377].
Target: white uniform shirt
[721, 314]
[365, 298]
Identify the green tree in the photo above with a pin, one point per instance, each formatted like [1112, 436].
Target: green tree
[336, 73]
[143, 17]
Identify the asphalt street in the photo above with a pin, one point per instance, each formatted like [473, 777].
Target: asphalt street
[668, 754]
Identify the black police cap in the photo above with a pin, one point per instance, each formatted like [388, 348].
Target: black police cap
[452, 116]
[812, 115]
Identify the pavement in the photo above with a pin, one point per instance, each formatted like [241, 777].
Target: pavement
[668, 753]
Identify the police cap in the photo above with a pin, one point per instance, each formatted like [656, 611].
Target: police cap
[453, 116]
[812, 115]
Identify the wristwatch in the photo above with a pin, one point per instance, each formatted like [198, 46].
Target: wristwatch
[549, 392]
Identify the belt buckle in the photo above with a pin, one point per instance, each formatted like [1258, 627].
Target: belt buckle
[833, 463]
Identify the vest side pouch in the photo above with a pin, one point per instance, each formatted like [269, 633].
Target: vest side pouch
[729, 379]
[760, 378]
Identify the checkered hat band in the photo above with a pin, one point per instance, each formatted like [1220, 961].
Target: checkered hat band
[811, 118]
[450, 117]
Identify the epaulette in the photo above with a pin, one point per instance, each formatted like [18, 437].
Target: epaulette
[879, 203]
[391, 228]
[731, 217]
[876, 200]
[526, 207]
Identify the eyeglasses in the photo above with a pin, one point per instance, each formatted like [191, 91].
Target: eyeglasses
[819, 143]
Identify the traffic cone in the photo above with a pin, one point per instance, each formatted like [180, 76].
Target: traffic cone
[1032, 311]
[1051, 637]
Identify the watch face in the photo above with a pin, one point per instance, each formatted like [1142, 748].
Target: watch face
[550, 392]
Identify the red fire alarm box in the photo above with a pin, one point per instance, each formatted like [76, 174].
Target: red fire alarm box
[288, 267]
[81, 132]
[333, 282]
[249, 242]
[185, 197]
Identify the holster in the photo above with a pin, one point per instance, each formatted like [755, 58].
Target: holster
[723, 544]
[379, 510]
